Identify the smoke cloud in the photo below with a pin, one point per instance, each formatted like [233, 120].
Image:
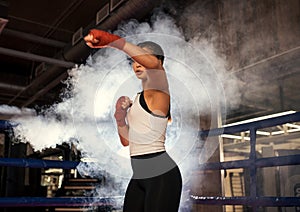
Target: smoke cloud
[198, 84]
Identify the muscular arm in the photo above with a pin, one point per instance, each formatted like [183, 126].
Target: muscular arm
[101, 39]
[142, 57]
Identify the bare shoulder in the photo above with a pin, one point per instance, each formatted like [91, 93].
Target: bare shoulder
[158, 101]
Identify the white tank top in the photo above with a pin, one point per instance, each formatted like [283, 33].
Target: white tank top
[146, 130]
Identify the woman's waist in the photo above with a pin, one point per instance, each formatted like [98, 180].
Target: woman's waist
[138, 148]
[151, 164]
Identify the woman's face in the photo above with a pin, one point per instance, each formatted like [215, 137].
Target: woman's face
[139, 70]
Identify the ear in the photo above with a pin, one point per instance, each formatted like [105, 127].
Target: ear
[160, 62]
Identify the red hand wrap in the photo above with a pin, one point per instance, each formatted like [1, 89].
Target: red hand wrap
[107, 39]
[120, 112]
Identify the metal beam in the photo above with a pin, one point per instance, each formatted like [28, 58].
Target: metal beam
[30, 56]
[34, 38]
[46, 89]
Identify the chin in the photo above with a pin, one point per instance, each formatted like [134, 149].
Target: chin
[140, 77]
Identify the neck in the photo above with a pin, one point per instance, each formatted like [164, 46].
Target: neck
[144, 84]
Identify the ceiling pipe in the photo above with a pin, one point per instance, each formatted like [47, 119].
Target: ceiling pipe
[10, 90]
[34, 38]
[136, 9]
[44, 90]
[80, 52]
[30, 56]
[9, 116]
[15, 88]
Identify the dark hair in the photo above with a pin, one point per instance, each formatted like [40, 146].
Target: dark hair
[154, 48]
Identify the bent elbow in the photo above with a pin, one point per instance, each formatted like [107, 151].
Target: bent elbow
[154, 65]
[125, 144]
[124, 141]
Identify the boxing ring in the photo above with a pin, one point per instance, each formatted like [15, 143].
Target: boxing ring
[254, 200]
[47, 202]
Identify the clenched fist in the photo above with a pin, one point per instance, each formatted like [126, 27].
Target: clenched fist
[122, 105]
[101, 39]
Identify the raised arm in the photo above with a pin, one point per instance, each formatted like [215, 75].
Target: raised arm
[142, 57]
[101, 39]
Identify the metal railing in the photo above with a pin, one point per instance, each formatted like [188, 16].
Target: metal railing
[253, 200]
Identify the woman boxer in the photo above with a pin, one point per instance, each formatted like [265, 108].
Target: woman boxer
[156, 182]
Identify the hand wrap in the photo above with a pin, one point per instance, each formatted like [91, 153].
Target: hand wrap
[107, 39]
[120, 112]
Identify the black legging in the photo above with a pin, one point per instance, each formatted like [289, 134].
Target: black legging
[155, 186]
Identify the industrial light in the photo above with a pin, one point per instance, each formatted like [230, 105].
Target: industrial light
[88, 160]
[236, 137]
[261, 118]
[296, 128]
[287, 131]
[292, 125]
[259, 132]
